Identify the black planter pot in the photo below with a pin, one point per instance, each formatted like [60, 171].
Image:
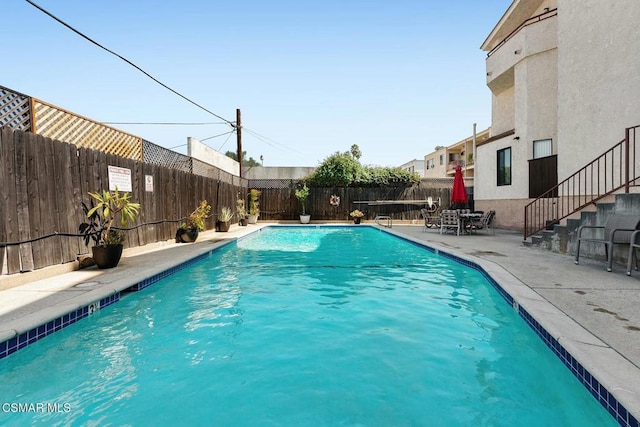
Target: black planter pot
[357, 220]
[243, 222]
[223, 226]
[186, 235]
[107, 256]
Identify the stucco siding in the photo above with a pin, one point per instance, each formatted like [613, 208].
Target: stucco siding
[486, 171]
[509, 213]
[539, 101]
[503, 111]
[598, 78]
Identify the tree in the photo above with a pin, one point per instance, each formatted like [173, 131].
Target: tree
[344, 170]
[245, 162]
[355, 152]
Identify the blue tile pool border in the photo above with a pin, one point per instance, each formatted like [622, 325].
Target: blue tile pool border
[22, 340]
[597, 390]
[166, 273]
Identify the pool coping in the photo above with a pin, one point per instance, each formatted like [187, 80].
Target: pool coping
[608, 376]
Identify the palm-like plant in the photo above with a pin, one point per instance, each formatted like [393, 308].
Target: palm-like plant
[106, 206]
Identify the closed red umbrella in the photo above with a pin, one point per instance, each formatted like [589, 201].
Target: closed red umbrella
[458, 193]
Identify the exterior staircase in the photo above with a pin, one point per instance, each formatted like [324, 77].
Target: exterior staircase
[615, 170]
[608, 184]
[562, 238]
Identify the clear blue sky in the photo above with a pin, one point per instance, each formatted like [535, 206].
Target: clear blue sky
[311, 78]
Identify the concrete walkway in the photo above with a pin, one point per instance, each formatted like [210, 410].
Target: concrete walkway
[594, 314]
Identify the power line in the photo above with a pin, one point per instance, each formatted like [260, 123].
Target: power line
[267, 140]
[262, 138]
[128, 62]
[223, 144]
[216, 136]
[166, 123]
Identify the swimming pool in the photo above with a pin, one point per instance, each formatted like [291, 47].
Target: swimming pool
[304, 326]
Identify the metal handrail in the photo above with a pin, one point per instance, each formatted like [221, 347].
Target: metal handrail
[615, 169]
[385, 217]
[534, 19]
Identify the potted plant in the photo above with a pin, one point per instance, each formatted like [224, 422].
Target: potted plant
[301, 195]
[241, 211]
[254, 206]
[224, 219]
[105, 209]
[189, 229]
[357, 216]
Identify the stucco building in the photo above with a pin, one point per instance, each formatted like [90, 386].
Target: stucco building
[442, 162]
[564, 80]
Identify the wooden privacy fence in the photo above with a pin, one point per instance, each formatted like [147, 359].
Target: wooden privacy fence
[43, 182]
[278, 201]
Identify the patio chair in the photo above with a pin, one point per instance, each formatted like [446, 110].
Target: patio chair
[484, 222]
[633, 245]
[430, 219]
[450, 220]
[616, 230]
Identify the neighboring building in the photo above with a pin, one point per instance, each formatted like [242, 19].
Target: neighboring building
[564, 80]
[278, 172]
[414, 165]
[442, 162]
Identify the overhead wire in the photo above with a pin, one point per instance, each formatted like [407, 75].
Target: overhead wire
[127, 61]
[268, 140]
[216, 136]
[224, 143]
[262, 138]
[166, 123]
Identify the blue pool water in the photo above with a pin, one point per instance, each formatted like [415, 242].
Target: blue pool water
[299, 326]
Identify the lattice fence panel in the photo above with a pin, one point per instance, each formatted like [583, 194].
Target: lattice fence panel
[205, 169]
[56, 123]
[273, 183]
[15, 111]
[157, 155]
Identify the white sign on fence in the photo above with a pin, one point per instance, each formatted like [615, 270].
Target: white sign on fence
[120, 178]
[148, 183]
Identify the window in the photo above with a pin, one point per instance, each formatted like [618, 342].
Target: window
[504, 166]
[542, 148]
[441, 159]
[430, 164]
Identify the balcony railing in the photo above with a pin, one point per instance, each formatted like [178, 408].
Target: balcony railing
[452, 165]
[615, 169]
[534, 19]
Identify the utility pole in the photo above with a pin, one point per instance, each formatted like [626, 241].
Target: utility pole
[239, 136]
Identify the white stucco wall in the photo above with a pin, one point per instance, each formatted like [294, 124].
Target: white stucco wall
[598, 78]
[536, 102]
[198, 150]
[278, 172]
[503, 111]
[542, 102]
[530, 108]
[486, 171]
[438, 170]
